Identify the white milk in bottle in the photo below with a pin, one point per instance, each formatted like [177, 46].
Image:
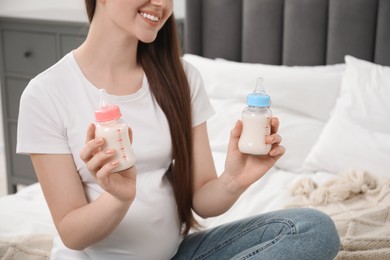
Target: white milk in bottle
[256, 119]
[114, 131]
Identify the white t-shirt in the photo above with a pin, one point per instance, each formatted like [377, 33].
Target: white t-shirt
[56, 109]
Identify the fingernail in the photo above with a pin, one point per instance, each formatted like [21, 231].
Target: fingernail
[109, 152]
[114, 163]
[98, 140]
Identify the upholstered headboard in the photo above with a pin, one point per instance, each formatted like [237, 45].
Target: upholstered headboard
[289, 32]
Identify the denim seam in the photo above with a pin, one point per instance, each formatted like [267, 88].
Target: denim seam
[289, 223]
[293, 230]
[277, 239]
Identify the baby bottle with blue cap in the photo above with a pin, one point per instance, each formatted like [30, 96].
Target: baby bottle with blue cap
[256, 119]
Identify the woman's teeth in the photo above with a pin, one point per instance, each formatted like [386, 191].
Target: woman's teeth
[150, 17]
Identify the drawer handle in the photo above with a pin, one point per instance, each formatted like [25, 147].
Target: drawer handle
[27, 54]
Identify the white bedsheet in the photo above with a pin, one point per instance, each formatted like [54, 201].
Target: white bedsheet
[26, 212]
[272, 192]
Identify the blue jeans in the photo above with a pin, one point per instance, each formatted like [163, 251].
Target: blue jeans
[284, 234]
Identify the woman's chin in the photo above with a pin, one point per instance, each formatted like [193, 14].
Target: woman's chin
[148, 39]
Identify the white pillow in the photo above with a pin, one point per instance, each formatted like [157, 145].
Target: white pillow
[228, 83]
[357, 135]
[311, 90]
[299, 132]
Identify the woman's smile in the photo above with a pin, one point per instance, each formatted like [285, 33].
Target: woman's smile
[150, 17]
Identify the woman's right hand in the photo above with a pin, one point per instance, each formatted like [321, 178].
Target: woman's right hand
[100, 163]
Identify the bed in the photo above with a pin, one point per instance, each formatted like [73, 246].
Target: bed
[325, 64]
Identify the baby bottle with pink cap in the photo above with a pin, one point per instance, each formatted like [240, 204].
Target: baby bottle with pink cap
[110, 127]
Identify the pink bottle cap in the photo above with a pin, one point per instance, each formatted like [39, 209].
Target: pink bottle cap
[107, 113]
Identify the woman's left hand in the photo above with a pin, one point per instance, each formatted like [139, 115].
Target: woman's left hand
[244, 169]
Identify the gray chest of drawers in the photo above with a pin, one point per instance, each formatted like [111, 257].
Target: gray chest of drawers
[27, 47]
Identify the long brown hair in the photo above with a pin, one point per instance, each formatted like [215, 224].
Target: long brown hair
[168, 82]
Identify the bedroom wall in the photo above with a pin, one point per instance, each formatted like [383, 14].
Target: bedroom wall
[15, 5]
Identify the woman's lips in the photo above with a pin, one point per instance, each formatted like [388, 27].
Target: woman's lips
[150, 17]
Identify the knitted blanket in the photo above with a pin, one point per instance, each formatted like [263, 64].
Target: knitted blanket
[359, 204]
[31, 247]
